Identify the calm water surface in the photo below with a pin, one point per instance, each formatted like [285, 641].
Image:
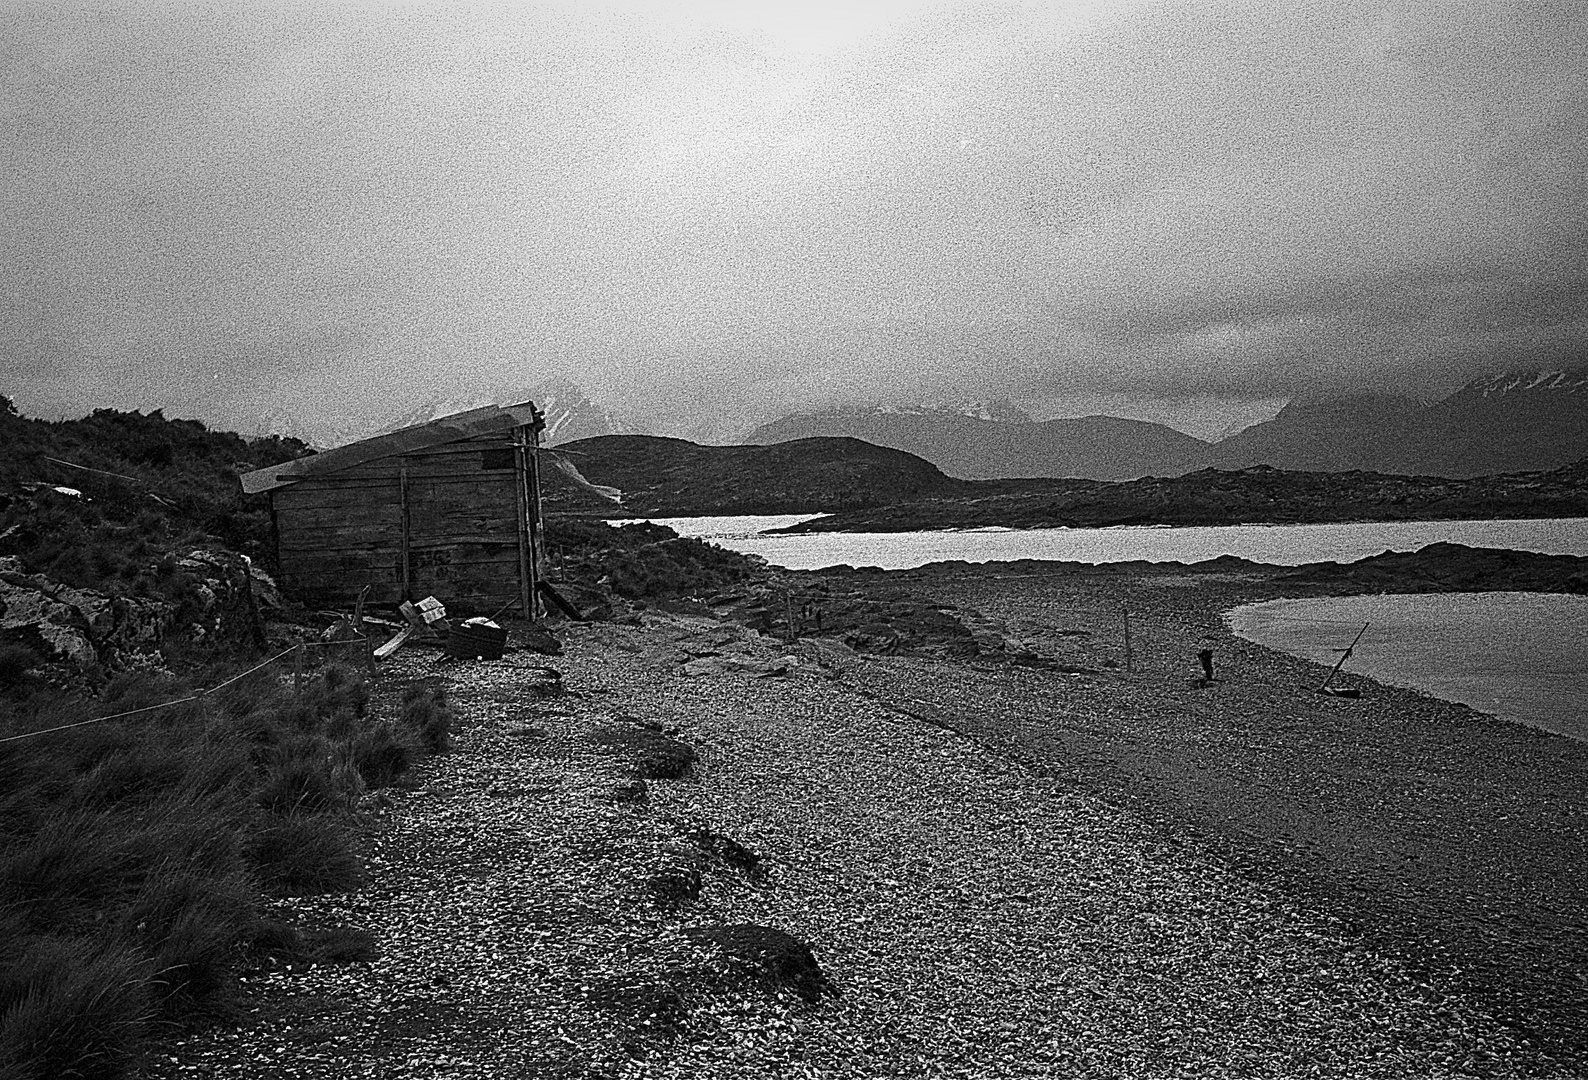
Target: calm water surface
[1523, 656]
[1519, 655]
[1284, 545]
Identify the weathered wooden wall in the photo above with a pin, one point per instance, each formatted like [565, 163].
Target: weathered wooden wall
[340, 532]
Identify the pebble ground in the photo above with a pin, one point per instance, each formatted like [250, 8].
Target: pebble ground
[977, 918]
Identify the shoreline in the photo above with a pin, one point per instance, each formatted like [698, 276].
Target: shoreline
[1435, 831]
[1007, 869]
[1404, 676]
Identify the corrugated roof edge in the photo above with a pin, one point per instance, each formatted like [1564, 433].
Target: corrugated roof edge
[463, 425]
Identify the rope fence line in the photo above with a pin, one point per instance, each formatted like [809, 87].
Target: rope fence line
[183, 700]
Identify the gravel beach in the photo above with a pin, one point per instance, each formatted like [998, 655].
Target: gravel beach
[1003, 869]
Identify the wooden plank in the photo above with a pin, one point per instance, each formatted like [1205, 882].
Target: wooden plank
[391, 549]
[353, 538]
[394, 644]
[537, 518]
[405, 564]
[469, 464]
[328, 521]
[320, 493]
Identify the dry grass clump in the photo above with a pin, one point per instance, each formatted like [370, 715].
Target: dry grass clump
[135, 854]
[425, 711]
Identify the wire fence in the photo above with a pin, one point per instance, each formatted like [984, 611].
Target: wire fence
[297, 651]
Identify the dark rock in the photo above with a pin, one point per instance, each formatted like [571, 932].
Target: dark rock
[537, 639]
[655, 757]
[878, 638]
[541, 683]
[649, 1011]
[773, 955]
[728, 850]
[674, 886]
[630, 792]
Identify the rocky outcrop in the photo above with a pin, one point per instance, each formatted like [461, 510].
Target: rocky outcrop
[217, 595]
[227, 594]
[77, 627]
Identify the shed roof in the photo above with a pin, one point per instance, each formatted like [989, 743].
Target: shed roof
[489, 420]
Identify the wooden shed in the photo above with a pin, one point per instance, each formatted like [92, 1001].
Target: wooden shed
[449, 509]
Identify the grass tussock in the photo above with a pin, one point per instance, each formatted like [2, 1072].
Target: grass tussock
[135, 854]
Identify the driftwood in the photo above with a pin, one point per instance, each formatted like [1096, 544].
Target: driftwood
[1345, 654]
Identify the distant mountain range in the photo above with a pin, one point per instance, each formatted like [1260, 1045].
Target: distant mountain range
[570, 414]
[1520, 421]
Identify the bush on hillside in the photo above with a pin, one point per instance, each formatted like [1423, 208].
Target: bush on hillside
[149, 486]
[641, 560]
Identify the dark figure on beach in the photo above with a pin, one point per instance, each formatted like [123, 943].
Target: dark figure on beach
[1206, 656]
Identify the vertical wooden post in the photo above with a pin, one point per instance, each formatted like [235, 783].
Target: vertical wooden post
[365, 646]
[788, 614]
[526, 585]
[537, 522]
[407, 575]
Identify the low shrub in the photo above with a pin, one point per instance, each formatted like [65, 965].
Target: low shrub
[300, 777]
[425, 711]
[69, 1007]
[132, 853]
[15, 662]
[306, 856]
[383, 752]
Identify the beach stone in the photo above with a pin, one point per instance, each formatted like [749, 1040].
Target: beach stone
[876, 638]
[738, 665]
[537, 639]
[775, 955]
[630, 792]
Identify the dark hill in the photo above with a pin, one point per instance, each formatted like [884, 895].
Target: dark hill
[1099, 447]
[1215, 497]
[671, 477]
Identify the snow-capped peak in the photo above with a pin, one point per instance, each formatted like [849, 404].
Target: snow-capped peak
[1512, 382]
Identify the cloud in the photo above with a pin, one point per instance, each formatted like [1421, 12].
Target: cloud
[739, 208]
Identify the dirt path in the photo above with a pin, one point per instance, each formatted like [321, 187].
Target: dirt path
[977, 919]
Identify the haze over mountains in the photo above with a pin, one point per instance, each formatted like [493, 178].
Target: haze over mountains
[1515, 422]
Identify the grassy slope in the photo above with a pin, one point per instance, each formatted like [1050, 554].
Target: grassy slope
[157, 485]
[135, 854]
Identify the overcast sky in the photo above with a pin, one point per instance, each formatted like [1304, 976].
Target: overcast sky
[739, 210]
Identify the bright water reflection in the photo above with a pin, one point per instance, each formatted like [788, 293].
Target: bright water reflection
[1523, 656]
[1285, 545]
